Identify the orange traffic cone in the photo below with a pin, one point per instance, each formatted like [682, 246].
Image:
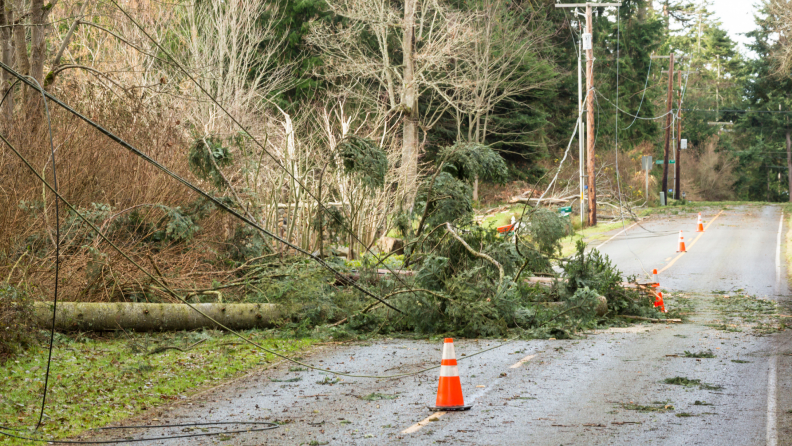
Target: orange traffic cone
[659, 301]
[681, 243]
[655, 279]
[700, 224]
[449, 391]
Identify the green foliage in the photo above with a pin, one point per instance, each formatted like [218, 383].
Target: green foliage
[593, 270]
[365, 160]
[467, 161]
[246, 244]
[330, 219]
[450, 201]
[17, 327]
[546, 230]
[74, 229]
[204, 154]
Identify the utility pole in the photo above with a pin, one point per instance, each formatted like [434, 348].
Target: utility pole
[669, 117]
[677, 168]
[592, 172]
[588, 39]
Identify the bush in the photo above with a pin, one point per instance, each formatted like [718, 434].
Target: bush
[16, 321]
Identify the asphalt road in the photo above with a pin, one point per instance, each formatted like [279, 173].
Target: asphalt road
[556, 392]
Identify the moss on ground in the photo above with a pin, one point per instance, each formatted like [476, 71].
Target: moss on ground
[98, 380]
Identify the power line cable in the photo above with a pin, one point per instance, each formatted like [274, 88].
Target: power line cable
[54, 189]
[57, 255]
[277, 162]
[616, 113]
[195, 188]
[643, 95]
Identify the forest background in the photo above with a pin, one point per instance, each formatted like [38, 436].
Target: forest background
[330, 124]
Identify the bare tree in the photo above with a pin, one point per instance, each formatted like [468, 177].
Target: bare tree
[780, 17]
[19, 20]
[432, 35]
[503, 62]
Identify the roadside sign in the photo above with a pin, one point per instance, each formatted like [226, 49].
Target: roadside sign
[646, 162]
[659, 162]
[672, 162]
[564, 211]
[683, 146]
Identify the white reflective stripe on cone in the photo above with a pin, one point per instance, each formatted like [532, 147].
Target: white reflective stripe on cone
[448, 351]
[449, 370]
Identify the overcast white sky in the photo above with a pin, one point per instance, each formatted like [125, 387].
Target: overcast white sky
[737, 17]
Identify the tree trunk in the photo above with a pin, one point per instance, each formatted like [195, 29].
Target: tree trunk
[789, 162]
[153, 317]
[7, 56]
[409, 156]
[20, 45]
[38, 52]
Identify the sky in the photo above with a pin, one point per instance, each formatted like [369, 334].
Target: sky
[737, 18]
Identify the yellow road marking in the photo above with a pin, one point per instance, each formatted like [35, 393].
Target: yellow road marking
[616, 235]
[668, 259]
[420, 424]
[522, 361]
[691, 245]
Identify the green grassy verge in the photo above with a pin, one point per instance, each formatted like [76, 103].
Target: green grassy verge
[99, 380]
[595, 233]
[787, 247]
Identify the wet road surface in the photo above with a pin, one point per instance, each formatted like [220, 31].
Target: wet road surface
[554, 392]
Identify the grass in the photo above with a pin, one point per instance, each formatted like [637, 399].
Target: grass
[595, 233]
[706, 354]
[787, 248]
[682, 381]
[98, 380]
[656, 406]
[743, 311]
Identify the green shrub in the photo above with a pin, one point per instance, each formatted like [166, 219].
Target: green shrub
[17, 331]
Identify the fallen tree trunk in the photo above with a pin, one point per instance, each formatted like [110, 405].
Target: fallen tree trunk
[645, 288]
[153, 317]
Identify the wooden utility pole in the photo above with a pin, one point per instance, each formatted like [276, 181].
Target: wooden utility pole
[592, 173]
[669, 121]
[591, 181]
[677, 168]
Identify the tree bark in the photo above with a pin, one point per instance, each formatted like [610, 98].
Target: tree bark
[38, 52]
[153, 317]
[21, 59]
[409, 104]
[7, 56]
[37, 41]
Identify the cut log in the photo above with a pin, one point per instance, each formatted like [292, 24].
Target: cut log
[645, 288]
[85, 316]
